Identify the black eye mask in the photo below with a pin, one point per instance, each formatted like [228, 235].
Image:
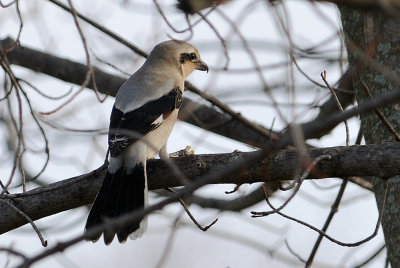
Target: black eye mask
[187, 56]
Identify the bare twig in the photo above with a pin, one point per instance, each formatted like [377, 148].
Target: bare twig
[42, 93]
[8, 4]
[168, 244]
[186, 208]
[370, 258]
[14, 252]
[299, 182]
[21, 22]
[235, 189]
[323, 75]
[103, 29]
[18, 128]
[42, 132]
[161, 12]
[255, 62]
[340, 243]
[223, 42]
[89, 74]
[293, 252]
[381, 116]
[334, 209]
[228, 110]
[20, 212]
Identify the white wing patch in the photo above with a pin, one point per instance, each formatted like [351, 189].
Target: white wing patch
[117, 139]
[158, 121]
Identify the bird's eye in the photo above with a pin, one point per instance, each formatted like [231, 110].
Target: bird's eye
[193, 56]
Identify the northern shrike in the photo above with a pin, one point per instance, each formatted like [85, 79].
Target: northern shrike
[145, 110]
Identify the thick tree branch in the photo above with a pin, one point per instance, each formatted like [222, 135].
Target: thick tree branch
[365, 4]
[194, 6]
[370, 160]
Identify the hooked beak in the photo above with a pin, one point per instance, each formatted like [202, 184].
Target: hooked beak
[201, 66]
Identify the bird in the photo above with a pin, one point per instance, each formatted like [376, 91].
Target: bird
[142, 118]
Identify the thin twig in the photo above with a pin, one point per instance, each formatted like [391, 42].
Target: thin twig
[103, 29]
[186, 208]
[254, 60]
[18, 127]
[159, 9]
[333, 211]
[42, 132]
[339, 105]
[373, 256]
[299, 182]
[8, 4]
[42, 93]
[235, 189]
[225, 108]
[14, 252]
[89, 73]
[381, 116]
[113, 66]
[293, 252]
[20, 212]
[339, 196]
[223, 42]
[168, 244]
[340, 243]
[21, 22]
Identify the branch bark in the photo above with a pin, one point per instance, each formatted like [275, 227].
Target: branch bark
[370, 160]
[193, 6]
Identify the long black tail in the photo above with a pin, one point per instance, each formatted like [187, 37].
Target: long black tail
[120, 193]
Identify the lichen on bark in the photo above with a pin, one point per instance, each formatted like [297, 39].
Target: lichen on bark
[373, 43]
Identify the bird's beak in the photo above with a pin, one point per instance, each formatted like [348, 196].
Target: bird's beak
[201, 66]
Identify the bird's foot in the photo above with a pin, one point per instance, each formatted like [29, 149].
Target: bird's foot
[184, 152]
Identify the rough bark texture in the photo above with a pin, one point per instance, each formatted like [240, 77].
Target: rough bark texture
[383, 160]
[377, 35]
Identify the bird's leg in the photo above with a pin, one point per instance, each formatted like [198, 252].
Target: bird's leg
[164, 153]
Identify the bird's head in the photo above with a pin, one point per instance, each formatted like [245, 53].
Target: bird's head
[181, 54]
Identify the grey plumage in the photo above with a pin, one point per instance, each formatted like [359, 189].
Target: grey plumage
[144, 113]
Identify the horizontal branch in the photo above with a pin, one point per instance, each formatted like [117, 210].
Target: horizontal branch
[368, 160]
[365, 4]
[189, 7]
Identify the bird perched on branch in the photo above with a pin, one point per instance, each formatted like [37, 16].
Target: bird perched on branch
[145, 110]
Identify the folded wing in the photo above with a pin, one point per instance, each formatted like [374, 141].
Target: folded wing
[127, 128]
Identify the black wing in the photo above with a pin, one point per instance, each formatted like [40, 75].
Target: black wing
[127, 128]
